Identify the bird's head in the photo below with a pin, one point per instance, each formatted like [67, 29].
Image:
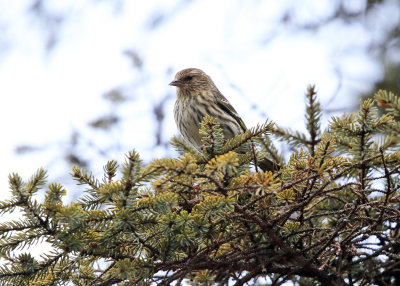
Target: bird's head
[192, 80]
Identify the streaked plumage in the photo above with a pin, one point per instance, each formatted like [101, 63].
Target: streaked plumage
[197, 96]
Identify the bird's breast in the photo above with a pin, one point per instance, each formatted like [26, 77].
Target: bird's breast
[190, 111]
[188, 117]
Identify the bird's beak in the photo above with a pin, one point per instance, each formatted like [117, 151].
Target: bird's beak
[175, 83]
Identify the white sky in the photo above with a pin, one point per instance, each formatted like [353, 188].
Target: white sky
[46, 95]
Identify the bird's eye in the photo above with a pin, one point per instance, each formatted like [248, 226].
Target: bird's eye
[187, 78]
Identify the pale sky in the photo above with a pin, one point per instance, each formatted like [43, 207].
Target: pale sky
[242, 45]
[46, 95]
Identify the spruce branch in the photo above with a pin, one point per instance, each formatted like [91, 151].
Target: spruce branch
[330, 216]
[313, 117]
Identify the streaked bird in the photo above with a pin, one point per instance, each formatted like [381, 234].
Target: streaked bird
[197, 96]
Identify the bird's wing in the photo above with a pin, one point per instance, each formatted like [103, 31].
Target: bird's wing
[224, 104]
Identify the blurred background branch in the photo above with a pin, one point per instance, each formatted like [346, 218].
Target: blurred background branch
[96, 72]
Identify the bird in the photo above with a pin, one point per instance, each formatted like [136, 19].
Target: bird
[197, 95]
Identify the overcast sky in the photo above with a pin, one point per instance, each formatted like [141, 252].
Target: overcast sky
[261, 65]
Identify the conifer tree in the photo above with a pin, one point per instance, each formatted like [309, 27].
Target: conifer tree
[329, 216]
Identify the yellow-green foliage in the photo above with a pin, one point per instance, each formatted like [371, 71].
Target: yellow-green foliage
[329, 215]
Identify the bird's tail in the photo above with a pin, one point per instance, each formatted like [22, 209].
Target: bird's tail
[267, 165]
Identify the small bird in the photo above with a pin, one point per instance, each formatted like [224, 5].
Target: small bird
[197, 96]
